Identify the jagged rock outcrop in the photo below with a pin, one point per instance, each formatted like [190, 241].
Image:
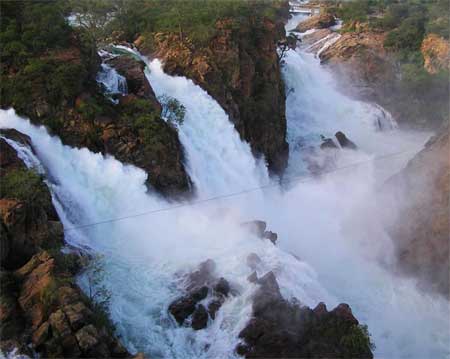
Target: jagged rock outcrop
[205, 294]
[420, 216]
[28, 219]
[321, 21]
[344, 142]
[57, 87]
[41, 308]
[280, 328]
[258, 228]
[137, 83]
[240, 69]
[436, 53]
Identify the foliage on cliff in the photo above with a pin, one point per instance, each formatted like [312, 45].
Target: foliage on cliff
[48, 73]
[406, 24]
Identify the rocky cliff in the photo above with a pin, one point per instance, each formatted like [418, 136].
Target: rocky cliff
[42, 310]
[240, 68]
[420, 226]
[56, 86]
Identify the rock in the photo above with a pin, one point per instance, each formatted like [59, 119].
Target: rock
[222, 287]
[436, 53]
[416, 212]
[344, 141]
[285, 329]
[327, 143]
[246, 56]
[41, 334]
[214, 306]
[271, 236]
[199, 318]
[316, 22]
[182, 308]
[77, 314]
[310, 39]
[256, 227]
[253, 278]
[203, 276]
[87, 337]
[133, 71]
[253, 261]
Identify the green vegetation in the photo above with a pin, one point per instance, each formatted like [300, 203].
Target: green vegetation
[357, 340]
[24, 185]
[44, 62]
[406, 23]
[193, 19]
[172, 110]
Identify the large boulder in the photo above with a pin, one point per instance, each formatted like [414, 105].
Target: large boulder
[202, 287]
[417, 213]
[280, 328]
[316, 22]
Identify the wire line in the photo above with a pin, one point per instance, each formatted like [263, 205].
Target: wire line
[236, 194]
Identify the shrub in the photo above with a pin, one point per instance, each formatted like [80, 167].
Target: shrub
[172, 110]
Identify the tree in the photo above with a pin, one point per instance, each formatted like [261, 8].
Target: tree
[172, 110]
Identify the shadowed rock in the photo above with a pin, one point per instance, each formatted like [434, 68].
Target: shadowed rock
[344, 141]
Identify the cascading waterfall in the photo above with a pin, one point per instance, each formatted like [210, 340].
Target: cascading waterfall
[114, 84]
[330, 224]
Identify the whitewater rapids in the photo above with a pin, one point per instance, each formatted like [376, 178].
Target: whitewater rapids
[330, 224]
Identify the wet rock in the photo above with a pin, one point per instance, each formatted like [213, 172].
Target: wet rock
[256, 227]
[327, 143]
[87, 337]
[214, 306]
[316, 22]
[253, 278]
[281, 329]
[200, 318]
[182, 308]
[253, 260]
[344, 141]
[271, 236]
[203, 276]
[222, 287]
[137, 83]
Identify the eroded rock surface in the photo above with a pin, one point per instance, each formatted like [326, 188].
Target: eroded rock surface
[321, 21]
[281, 329]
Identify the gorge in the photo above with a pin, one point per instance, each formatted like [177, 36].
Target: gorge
[332, 242]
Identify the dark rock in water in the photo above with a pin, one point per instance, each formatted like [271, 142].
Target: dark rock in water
[200, 283]
[256, 227]
[271, 236]
[344, 141]
[222, 287]
[327, 143]
[253, 278]
[214, 306]
[280, 329]
[200, 318]
[203, 276]
[253, 260]
[182, 308]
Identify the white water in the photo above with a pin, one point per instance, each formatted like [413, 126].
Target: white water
[113, 82]
[331, 224]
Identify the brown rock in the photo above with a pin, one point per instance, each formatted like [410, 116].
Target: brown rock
[41, 334]
[199, 318]
[316, 22]
[436, 53]
[87, 338]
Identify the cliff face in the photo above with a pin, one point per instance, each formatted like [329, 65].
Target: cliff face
[436, 53]
[55, 85]
[41, 308]
[88, 119]
[240, 69]
[421, 228]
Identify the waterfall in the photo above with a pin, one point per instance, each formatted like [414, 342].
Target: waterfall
[114, 84]
[329, 224]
